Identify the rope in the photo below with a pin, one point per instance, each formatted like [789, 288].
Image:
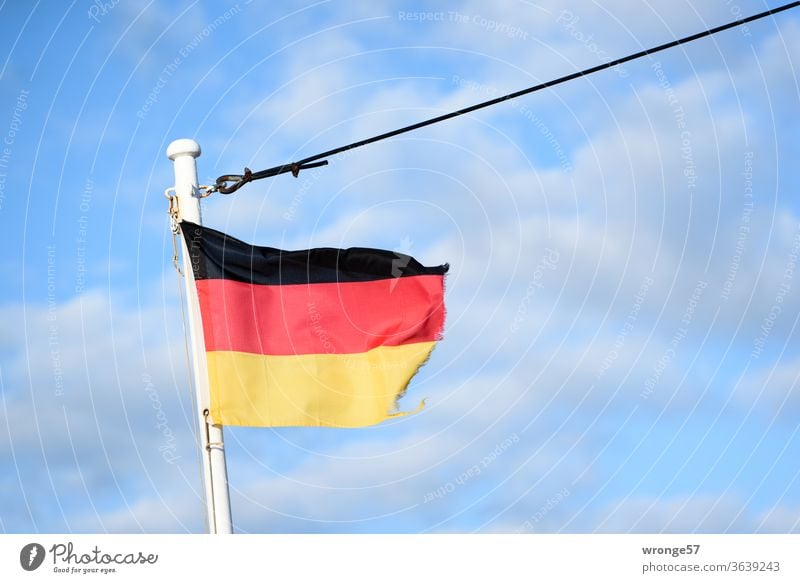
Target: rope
[239, 180]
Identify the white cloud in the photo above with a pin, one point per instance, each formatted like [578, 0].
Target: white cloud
[97, 401]
[704, 514]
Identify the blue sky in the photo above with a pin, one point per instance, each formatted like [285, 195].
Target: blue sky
[620, 352]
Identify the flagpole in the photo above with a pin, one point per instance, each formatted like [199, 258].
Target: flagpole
[215, 475]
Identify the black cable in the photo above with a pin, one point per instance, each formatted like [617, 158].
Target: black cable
[240, 180]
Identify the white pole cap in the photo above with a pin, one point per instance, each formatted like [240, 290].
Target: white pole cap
[183, 147]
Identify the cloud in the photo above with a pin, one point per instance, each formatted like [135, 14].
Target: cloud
[702, 514]
[105, 416]
[772, 389]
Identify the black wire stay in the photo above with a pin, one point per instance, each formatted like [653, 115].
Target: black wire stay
[239, 180]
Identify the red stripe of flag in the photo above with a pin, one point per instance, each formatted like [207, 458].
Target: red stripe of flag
[319, 318]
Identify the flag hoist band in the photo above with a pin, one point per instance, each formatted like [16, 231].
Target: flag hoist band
[319, 337]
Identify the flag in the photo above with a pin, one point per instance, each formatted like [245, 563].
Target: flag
[319, 337]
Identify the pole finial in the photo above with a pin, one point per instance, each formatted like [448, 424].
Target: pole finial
[183, 147]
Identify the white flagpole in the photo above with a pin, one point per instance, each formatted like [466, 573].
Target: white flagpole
[215, 474]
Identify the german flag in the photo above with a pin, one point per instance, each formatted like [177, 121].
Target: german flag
[320, 337]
